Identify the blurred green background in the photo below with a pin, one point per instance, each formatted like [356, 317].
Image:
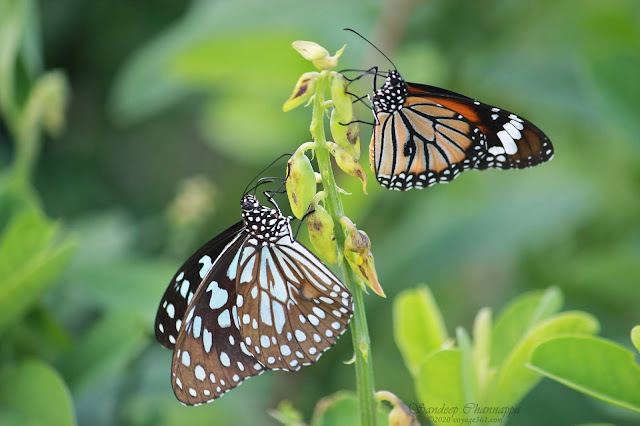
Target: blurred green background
[175, 106]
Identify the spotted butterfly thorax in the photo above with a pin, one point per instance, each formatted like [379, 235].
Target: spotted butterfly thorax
[251, 299]
[425, 135]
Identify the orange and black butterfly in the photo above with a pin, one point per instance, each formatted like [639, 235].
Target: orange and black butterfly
[424, 135]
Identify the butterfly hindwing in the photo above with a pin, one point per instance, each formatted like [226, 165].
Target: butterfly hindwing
[184, 284]
[210, 358]
[422, 144]
[291, 307]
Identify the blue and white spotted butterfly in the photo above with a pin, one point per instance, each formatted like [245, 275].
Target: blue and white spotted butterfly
[251, 299]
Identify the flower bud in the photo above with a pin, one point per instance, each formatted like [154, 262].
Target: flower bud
[301, 183]
[348, 163]
[317, 54]
[320, 226]
[310, 50]
[357, 251]
[346, 136]
[305, 87]
[400, 414]
[341, 99]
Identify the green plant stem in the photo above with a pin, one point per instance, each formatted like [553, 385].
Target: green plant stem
[333, 205]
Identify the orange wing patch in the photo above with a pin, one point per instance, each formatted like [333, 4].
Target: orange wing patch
[437, 162]
[465, 110]
[459, 139]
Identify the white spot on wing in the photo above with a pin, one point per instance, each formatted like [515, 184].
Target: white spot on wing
[300, 336]
[224, 359]
[224, 319]
[510, 146]
[184, 288]
[197, 326]
[171, 311]
[219, 296]
[207, 340]
[186, 359]
[265, 309]
[513, 132]
[278, 316]
[496, 150]
[200, 373]
[206, 265]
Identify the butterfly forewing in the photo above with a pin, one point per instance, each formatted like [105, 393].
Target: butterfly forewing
[291, 307]
[210, 357]
[184, 284]
[512, 141]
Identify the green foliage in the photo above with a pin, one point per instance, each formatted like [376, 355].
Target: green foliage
[32, 393]
[244, 75]
[591, 365]
[339, 409]
[520, 316]
[417, 307]
[471, 373]
[175, 75]
[32, 256]
[105, 349]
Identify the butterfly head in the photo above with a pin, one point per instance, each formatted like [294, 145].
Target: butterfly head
[391, 96]
[265, 223]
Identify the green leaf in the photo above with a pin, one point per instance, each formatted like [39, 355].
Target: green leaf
[105, 349]
[15, 195]
[153, 80]
[467, 366]
[439, 380]
[121, 285]
[11, 417]
[519, 316]
[418, 326]
[341, 409]
[40, 334]
[635, 336]
[36, 392]
[514, 379]
[32, 256]
[482, 349]
[12, 22]
[591, 365]
[286, 414]
[224, 124]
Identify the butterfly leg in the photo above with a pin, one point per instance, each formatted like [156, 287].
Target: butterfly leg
[362, 73]
[300, 224]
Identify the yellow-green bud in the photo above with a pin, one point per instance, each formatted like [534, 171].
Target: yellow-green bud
[357, 251]
[400, 414]
[317, 54]
[301, 183]
[310, 50]
[348, 163]
[305, 87]
[320, 226]
[341, 100]
[346, 136]
[47, 102]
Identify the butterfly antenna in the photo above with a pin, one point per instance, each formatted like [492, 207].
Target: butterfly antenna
[264, 170]
[373, 45]
[262, 181]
